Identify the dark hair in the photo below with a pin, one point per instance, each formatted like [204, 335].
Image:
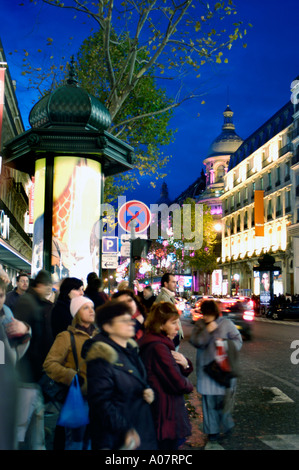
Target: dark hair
[210, 307]
[42, 277]
[107, 312]
[165, 278]
[68, 284]
[129, 292]
[91, 276]
[159, 314]
[148, 288]
[94, 284]
[22, 275]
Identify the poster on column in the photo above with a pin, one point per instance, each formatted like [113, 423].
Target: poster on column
[38, 217]
[76, 211]
[265, 294]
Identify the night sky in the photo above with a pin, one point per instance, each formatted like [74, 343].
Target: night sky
[258, 77]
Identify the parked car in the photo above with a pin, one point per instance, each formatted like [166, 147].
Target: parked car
[239, 310]
[289, 311]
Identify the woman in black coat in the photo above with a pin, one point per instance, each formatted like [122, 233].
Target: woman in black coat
[61, 316]
[118, 394]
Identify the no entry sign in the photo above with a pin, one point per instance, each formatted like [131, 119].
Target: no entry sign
[134, 211]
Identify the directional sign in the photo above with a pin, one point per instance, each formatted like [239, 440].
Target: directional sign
[110, 245]
[125, 247]
[134, 211]
[109, 261]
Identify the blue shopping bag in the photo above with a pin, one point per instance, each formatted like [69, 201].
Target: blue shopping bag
[74, 412]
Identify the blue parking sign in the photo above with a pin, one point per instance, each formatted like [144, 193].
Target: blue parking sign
[110, 245]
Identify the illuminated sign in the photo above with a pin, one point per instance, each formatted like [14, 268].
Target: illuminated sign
[76, 212]
[265, 295]
[259, 213]
[4, 225]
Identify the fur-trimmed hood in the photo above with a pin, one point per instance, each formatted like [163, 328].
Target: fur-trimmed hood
[101, 347]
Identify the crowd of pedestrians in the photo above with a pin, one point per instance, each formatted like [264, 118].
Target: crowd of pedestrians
[124, 352]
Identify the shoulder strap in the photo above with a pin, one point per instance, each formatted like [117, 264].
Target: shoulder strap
[73, 343]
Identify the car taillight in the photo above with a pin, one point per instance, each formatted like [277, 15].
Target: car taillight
[248, 315]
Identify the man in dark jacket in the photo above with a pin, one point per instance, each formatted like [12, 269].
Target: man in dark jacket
[33, 308]
[13, 296]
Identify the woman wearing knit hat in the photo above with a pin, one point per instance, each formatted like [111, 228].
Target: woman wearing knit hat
[60, 364]
[119, 397]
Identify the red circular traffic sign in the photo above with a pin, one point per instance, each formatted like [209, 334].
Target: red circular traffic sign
[134, 211]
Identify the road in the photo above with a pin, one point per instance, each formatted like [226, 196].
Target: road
[267, 400]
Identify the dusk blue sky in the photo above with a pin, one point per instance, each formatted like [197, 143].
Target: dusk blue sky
[258, 77]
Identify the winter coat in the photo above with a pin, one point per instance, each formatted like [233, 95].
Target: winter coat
[12, 298]
[34, 311]
[61, 317]
[165, 296]
[206, 352]
[19, 344]
[169, 382]
[116, 379]
[60, 363]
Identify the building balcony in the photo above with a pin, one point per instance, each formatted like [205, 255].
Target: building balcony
[295, 133]
[295, 159]
[286, 149]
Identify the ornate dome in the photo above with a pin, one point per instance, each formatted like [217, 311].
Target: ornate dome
[70, 105]
[228, 141]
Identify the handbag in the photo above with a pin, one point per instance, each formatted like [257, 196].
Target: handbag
[56, 391]
[222, 377]
[74, 412]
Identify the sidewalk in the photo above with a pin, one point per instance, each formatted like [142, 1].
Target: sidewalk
[197, 440]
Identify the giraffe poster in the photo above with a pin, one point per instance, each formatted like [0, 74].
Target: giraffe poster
[76, 211]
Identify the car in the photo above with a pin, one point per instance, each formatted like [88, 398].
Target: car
[288, 311]
[195, 311]
[239, 310]
[241, 313]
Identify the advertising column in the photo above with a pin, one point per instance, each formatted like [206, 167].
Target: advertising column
[75, 216]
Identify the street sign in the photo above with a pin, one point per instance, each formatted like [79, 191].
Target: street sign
[109, 261]
[125, 246]
[134, 211]
[125, 240]
[110, 245]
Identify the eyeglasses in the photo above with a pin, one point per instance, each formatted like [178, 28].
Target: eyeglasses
[127, 322]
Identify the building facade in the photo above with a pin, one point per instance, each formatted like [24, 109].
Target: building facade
[15, 240]
[259, 205]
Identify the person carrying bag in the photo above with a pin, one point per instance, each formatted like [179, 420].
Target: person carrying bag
[65, 365]
[216, 368]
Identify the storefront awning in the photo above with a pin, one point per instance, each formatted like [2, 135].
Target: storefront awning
[11, 258]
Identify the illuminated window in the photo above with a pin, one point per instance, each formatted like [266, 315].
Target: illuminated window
[269, 180]
[245, 220]
[277, 176]
[288, 201]
[269, 210]
[278, 206]
[287, 171]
